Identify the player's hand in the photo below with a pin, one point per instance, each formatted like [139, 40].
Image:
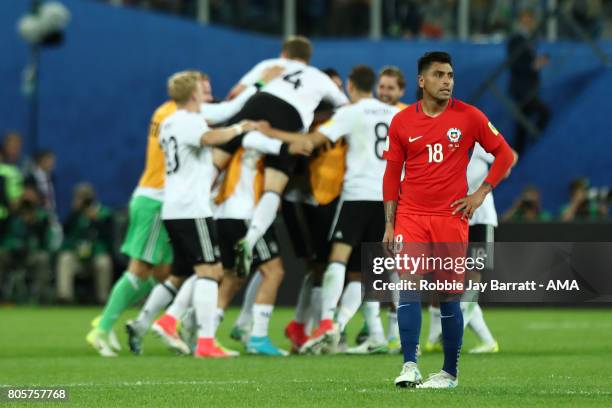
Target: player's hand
[248, 125]
[272, 72]
[389, 239]
[264, 126]
[467, 205]
[301, 147]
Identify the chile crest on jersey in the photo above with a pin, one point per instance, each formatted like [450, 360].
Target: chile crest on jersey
[454, 136]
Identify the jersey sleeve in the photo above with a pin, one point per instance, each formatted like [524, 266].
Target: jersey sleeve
[486, 134]
[394, 150]
[216, 113]
[333, 94]
[338, 125]
[255, 73]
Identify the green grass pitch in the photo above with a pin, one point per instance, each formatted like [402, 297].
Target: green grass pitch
[549, 357]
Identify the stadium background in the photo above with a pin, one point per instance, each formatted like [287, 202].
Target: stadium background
[97, 92]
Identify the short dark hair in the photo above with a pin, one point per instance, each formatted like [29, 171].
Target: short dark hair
[579, 183]
[430, 57]
[331, 72]
[41, 154]
[298, 47]
[363, 78]
[394, 72]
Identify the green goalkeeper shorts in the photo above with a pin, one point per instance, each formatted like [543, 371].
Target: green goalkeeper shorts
[147, 239]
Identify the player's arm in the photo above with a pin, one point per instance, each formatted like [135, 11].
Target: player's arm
[250, 78]
[391, 188]
[395, 155]
[334, 95]
[493, 142]
[219, 136]
[316, 138]
[287, 137]
[216, 113]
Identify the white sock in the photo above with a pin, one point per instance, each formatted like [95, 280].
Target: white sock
[435, 324]
[246, 311]
[303, 302]
[159, 298]
[479, 326]
[205, 293]
[393, 328]
[219, 313]
[331, 290]
[371, 312]
[183, 299]
[261, 319]
[263, 217]
[188, 320]
[349, 303]
[314, 311]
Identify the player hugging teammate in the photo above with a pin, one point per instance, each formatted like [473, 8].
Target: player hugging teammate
[222, 235]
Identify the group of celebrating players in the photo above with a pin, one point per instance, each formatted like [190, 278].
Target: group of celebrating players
[345, 170]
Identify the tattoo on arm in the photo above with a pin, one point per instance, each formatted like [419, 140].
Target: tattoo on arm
[390, 207]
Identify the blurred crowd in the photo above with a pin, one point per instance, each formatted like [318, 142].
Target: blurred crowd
[401, 18]
[42, 259]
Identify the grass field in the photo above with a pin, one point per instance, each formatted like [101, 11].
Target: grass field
[548, 357]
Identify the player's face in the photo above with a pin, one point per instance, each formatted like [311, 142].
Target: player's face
[388, 90]
[198, 94]
[437, 82]
[207, 89]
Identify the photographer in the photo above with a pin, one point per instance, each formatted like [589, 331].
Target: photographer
[582, 205]
[87, 245]
[527, 207]
[25, 247]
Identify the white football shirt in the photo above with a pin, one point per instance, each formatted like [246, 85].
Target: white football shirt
[300, 85]
[364, 125]
[477, 171]
[189, 166]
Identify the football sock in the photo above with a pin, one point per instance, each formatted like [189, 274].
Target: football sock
[452, 335]
[263, 217]
[160, 297]
[183, 299]
[371, 311]
[261, 319]
[314, 311]
[246, 311]
[435, 327]
[205, 293]
[303, 302]
[126, 291]
[219, 314]
[349, 303]
[331, 290]
[479, 326]
[392, 329]
[409, 322]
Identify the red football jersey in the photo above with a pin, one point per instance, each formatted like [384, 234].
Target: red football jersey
[436, 152]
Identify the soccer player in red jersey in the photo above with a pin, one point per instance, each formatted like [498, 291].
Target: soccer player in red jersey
[433, 139]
